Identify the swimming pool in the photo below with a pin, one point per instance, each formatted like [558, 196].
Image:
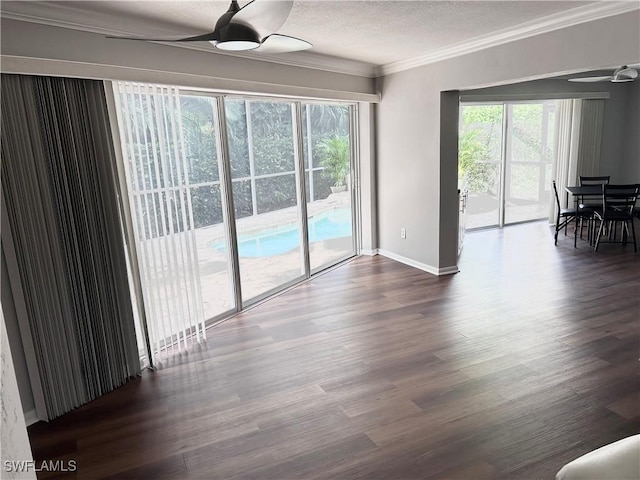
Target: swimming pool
[276, 241]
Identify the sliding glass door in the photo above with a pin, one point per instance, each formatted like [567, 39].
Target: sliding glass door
[262, 152]
[327, 153]
[480, 160]
[188, 158]
[172, 167]
[529, 160]
[506, 153]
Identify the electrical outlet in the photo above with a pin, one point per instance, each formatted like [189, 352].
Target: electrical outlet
[403, 233]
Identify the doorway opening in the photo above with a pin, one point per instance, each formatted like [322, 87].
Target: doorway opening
[505, 161]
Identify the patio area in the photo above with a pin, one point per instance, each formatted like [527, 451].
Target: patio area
[204, 284]
[482, 211]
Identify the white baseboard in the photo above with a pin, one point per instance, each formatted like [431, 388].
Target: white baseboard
[419, 265]
[448, 270]
[370, 253]
[31, 417]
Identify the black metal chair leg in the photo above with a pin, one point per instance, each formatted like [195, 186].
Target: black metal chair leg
[595, 248]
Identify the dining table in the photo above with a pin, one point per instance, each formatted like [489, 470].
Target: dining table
[579, 191]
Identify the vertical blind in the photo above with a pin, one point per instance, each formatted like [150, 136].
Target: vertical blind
[59, 188]
[590, 139]
[578, 142]
[562, 164]
[158, 183]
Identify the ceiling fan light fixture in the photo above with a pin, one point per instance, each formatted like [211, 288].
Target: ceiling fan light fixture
[624, 74]
[621, 78]
[236, 45]
[237, 37]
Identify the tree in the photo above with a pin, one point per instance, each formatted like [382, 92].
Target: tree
[335, 159]
[479, 143]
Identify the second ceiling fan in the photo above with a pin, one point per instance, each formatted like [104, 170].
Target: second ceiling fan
[250, 28]
[622, 74]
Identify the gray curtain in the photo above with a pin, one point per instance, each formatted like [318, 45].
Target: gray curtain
[58, 185]
[590, 140]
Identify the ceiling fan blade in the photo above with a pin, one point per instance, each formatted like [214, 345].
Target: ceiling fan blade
[205, 37]
[591, 79]
[277, 43]
[264, 16]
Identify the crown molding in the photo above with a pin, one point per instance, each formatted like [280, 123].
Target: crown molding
[311, 60]
[550, 23]
[104, 71]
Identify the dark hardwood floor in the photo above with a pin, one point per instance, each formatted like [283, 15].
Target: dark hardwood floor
[521, 362]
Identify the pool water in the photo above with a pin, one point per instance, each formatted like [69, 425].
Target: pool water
[277, 241]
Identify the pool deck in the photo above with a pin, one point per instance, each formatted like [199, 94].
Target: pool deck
[213, 278]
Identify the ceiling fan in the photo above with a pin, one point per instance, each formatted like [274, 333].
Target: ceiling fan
[251, 27]
[622, 74]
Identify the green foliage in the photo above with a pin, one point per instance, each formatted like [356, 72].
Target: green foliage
[335, 159]
[479, 114]
[206, 205]
[477, 173]
[237, 137]
[157, 139]
[530, 149]
[199, 138]
[273, 153]
[242, 200]
[276, 193]
[478, 148]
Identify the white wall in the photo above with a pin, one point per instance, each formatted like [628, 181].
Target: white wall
[14, 441]
[631, 131]
[15, 342]
[417, 180]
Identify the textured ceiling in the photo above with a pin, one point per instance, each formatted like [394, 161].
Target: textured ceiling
[373, 32]
[383, 32]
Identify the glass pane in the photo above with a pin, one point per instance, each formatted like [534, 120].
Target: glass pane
[529, 160]
[318, 122]
[146, 171]
[267, 213]
[329, 207]
[321, 185]
[207, 206]
[169, 142]
[479, 159]
[272, 137]
[199, 138]
[242, 198]
[276, 193]
[237, 137]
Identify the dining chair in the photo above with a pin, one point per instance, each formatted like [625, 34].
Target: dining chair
[602, 180]
[590, 203]
[618, 204]
[566, 214]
